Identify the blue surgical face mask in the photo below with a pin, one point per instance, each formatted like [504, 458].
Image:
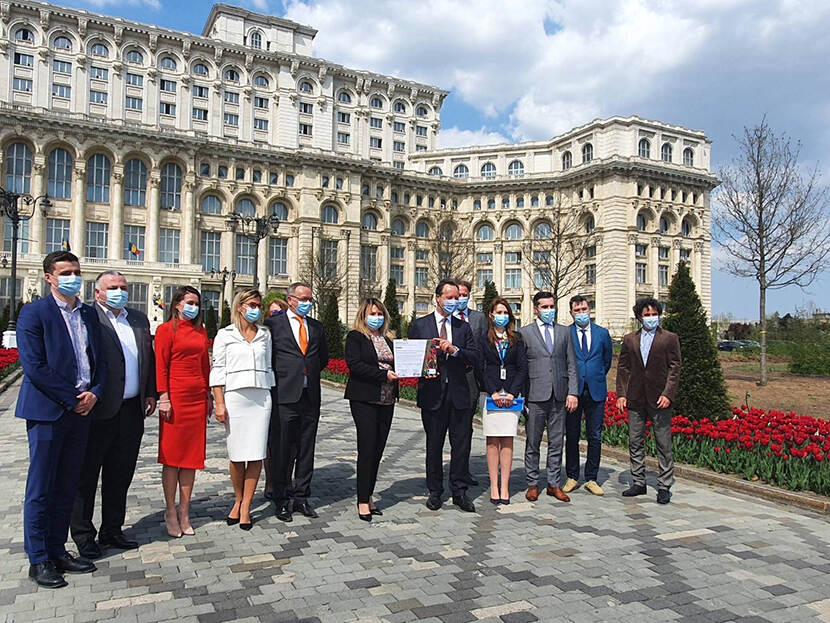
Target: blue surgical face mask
[582, 319]
[304, 307]
[501, 320]
[449, 306]
[462, 302]
[117, 298]
[374, 322]
[548, 316]
[650, 322]
[252, 314]
[69, 285]
[190, 311]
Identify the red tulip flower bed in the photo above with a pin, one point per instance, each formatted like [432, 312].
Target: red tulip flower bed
[8, 361]
[338, 371]
[783, 449]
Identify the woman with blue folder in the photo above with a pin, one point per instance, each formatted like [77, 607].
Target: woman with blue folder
[504, 376]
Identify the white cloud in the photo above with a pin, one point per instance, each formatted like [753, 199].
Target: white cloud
[456, 137]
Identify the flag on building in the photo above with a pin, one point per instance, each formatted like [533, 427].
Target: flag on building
[65, 245]
[134, 249]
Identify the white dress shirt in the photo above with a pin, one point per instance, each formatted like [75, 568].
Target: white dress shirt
[129, 347]
[80, 341]
[440, 319]
[579, 330]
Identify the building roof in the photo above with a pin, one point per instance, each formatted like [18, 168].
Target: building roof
[260, 18]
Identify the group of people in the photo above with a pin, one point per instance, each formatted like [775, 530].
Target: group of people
[93, 373]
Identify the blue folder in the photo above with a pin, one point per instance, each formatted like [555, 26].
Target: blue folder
[518, 405]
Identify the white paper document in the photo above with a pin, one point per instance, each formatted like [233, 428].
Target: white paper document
[409, 357]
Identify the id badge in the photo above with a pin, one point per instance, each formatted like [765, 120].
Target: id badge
[503, 374]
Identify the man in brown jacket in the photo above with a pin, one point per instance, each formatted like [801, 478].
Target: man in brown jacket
[647, 375]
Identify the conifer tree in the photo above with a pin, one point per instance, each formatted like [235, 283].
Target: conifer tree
[490, 293]
[225, 319]
[211, 322]
[332, 331]
[390, 300]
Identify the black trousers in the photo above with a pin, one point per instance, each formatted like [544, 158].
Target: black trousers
[112, 453]
[436, 424]
[372, 423]
[293, 437]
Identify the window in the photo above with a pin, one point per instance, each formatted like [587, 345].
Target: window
[344, 117]
[685, 255]
[222, 172]
[261, 124]
[25, 35]
[211, 204]
[513, 257]
[169, 245]
[400, 146]
[488, 169]
[567, 160]
[60, 174]
[99, 49]
[167, 62]
[289, 180]
[663, 275]
[483, 276]
[591, 252]
[344, 98]
[685, 228]
[97, 239]
[436, 171]
[99, 73]
[421, 111]
[590, 224]
[640, 268]
[306, 108]
[491, 204]
[375, 122]
[376, 102]
[166, 108]
[516, 168]
[329, 257]
[260, 102]
[396, 253]
[231, 97]
[135, 183]
[22, 85]
[590, 274]
[520, 202]
[278, 256]
[542, 231]
[640, 250]
[477, 204]
[168, 86]
[484, 258]
[422, 229]
[398, 227]
[256, 40]
[133, 103]
[134, 242]
[57, 232]
[231, 120]
[171, 186]
[305, 87]
[135, 80]
[343, 138]
[420, 147]
[514, 232]
[231, 75]
[422, 255]
[399, 127]
[420, 130]
[542, 278]
[587, 153]
[22, 240]
[663, 253]
[200, 114]
[210, 250]
[512, 278]
[369, 221]
[24, 60]
[689, 157]
[97, 97]
[400, 107]
[505, 202]
[329, 214]
[98, 179]
[396, 274]
[200, 91]
[665, 152]
[375, 142]
[641, 222]
[61, 90]
[62, 43]
[61, 67]
[485, 232]
[664, 225]
[368, 263]
[644, 148]
[200, 69]
[305, 129]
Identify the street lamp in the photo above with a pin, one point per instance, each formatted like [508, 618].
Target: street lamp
[256, 227]
[224, 274]
[17, 207]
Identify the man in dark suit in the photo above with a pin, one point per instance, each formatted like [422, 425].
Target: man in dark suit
[648, 372]
[117, 421]
[299, 354]
[444, 398]
[58, 341]
[593, 348]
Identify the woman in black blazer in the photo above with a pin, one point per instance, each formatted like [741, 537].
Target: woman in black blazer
[372, 390]
[503, 377]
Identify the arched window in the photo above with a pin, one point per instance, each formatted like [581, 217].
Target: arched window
[485, 232]
[534, 201]
[376, 102]
[200, 69]
[245, 207]
[548, 200]
[446, 231]
[641, 222]
[516, 168]
[664, 225]
[587, 153]
[421, 111]
[18, 168]
[542, 230]
[422, 229]
[491, 204]
[590, 224]
[400, 107]
[99, 49]
[567, 160]
[398, 227]
[135, 183]
[689, 157]
[261, 82]
[60, 174]
[686, 228]
[369, 221]
[256, 40]
[665, 152]
[171, 186]
[329, 214]
[305, 87]
[344, 98]
[436, 171]
[62, 43]
[168, 62]
[279, 210]
[98, 179]
[135, 57]
[25, 35]
[513, 232]
[488, 169]
[231, 75]
[461, 171]
[644, 148]
[211, 204]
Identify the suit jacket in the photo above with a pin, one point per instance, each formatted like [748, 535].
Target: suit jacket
[365, 377]
[593, 366]
[48, 360]
[112, 353]
[643, 385]
[477, 321]
[550, 375]
[515, 364]
[290, 364]
[451, 370]
[478, 324]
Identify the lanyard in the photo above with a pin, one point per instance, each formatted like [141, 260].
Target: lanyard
[501, 347]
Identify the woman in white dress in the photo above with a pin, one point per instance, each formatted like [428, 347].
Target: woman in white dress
[241, 379]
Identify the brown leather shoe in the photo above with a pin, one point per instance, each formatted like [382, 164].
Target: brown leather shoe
[532, 494]
[558, 494]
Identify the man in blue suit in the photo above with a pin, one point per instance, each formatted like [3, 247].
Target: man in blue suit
[58, 341]
[592, 345]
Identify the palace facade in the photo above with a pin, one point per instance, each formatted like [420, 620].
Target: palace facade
[146, 139]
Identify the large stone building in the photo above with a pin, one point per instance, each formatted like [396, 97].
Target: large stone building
[147, 139]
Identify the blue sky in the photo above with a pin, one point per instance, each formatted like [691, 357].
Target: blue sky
[530, 69]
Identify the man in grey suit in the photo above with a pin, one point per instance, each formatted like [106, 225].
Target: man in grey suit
[117, 420]
[551, 393]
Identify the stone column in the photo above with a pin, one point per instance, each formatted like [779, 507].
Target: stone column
[76, 218]
[116, 233]
[151, 234]
[36, 223]
[262, 263]
[188, 221]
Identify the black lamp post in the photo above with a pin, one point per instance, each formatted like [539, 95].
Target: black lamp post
[17, 207]
[256, 227]
[225, 274]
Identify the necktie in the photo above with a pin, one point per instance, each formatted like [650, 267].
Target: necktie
[548, 339]
[584, 342]
[303, 336]
[463, 317]
[443, 333]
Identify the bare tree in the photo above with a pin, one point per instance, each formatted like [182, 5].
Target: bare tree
[451, 254]
[369, 285]
[772, 219]
[323, 269]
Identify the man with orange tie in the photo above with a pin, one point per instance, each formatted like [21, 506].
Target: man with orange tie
[299, 354]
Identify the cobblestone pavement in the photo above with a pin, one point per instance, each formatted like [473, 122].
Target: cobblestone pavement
[708, 556]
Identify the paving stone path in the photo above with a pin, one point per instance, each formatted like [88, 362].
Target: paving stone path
[709, 556]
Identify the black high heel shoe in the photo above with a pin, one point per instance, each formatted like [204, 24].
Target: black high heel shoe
[247, 526]
[375, 511]
[232, 521]
[366, 517]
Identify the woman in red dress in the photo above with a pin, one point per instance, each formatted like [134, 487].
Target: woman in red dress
[182, 377]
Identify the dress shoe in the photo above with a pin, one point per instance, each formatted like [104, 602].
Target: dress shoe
[73, 564]
[663, 496]
[495, 501]
[634, 490]
[89, 549]
[532, 493]
[284, 511]
[232, 521]
[304, 508]
[464, 503]
[246, 525]
[46, 575]
[558, 494]
[592, 487]
[365, 517]
[434, 501]
[570, 485]
[504, 501]
[375, 511]
[118, 541]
